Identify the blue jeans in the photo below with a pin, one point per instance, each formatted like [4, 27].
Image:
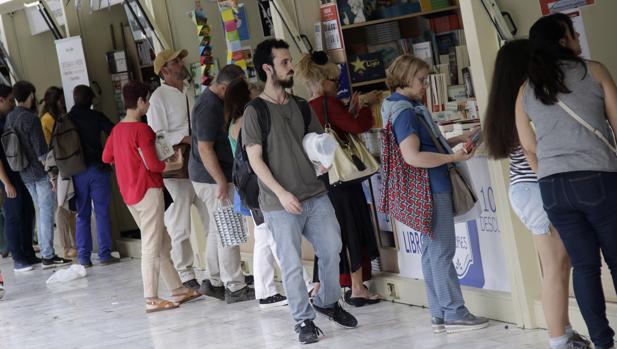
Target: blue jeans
[443, 290]
[45, 199]
[19, 223]
[583, 207]
[92, 187]
[318, 224]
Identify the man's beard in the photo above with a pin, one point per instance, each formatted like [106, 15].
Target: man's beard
[284, 83]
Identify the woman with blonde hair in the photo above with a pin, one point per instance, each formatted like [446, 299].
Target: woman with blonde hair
[352, 212]
[417, 190]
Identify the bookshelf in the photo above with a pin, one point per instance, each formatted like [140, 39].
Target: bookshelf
[369, 82]
[399, 18]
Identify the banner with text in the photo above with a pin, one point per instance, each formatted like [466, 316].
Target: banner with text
[479, 258]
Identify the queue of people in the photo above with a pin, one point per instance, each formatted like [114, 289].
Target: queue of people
[563, 191]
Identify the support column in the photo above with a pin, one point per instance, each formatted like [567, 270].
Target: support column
[520, 253]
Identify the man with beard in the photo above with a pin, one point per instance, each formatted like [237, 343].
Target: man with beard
[293, 200]
[170, 112]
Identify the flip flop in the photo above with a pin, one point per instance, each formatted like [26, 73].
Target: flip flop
[186, 297]
[159, 305]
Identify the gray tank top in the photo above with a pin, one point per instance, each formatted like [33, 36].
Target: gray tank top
[564, 145]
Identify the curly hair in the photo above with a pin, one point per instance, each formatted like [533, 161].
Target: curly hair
[314, 68]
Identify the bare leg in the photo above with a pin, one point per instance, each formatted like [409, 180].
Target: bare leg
[555, 283]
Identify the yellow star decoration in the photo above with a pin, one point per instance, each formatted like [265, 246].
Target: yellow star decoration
[358, 65]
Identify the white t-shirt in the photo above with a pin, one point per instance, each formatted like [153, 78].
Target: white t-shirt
[168, 112]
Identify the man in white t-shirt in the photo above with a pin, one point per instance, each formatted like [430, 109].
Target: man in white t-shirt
[170, 109]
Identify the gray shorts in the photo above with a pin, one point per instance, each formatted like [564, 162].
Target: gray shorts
[526, 202]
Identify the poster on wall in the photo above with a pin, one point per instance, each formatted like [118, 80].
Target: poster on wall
[73, 69]
[551, 6]
[37, 23]
[266, 18]
[332, 33]
[479, 259]
[242, 23]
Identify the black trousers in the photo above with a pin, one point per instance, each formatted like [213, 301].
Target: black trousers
[19, 223]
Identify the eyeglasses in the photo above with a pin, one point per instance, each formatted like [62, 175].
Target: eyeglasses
[425, 82]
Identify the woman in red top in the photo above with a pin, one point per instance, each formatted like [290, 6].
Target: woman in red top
[130, 147]
[352, 212]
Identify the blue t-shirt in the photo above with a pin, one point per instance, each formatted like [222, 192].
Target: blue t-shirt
[406, 124]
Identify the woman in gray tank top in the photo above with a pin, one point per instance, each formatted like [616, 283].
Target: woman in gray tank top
[502, 142]
[577, 172]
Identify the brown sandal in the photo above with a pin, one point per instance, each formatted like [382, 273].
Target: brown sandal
[187, 296]
[159, 305]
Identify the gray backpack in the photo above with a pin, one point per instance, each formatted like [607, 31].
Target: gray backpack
[15, 156]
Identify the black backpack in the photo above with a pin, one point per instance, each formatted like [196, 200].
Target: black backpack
[13, 149]
[66, 146]
[245, 180]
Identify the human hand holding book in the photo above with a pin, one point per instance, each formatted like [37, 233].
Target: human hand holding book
[174, 162]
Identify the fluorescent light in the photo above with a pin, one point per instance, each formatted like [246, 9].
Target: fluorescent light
[32, 4]
[2, 2]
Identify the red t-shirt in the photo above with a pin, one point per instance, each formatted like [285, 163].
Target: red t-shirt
[135, 172]
[341, 120]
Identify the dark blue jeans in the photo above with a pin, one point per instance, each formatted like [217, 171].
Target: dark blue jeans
[583, 208]
[92, 187]
[19, 223]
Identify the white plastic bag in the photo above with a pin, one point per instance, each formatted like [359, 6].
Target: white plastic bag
[75, 271]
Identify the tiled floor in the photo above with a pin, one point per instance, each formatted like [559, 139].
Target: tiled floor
[105, 310]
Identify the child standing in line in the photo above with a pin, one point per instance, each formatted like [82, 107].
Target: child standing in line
[131, 149]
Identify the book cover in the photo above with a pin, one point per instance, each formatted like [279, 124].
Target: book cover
[389, 51]
[351, 11]
[424, 51]
[364, 67]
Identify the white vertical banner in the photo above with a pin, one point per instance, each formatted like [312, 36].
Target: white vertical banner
[479, 259]
[73, 69]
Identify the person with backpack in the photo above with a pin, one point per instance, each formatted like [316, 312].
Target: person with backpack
[17, 206]
[54, 107]
[293, 200]
[92, 184]
[32, 150]
[130, 148]
[210, 168]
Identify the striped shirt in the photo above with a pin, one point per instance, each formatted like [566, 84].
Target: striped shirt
[520, 171]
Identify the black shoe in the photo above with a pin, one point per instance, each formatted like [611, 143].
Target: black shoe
[55, 261]
[244, 294]
[110, 260]
[358, 301]
[192, 284]
[273, 301]
[249, 280]
[308, 332]
[207, 289]
[338, 315]
[34, 260]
